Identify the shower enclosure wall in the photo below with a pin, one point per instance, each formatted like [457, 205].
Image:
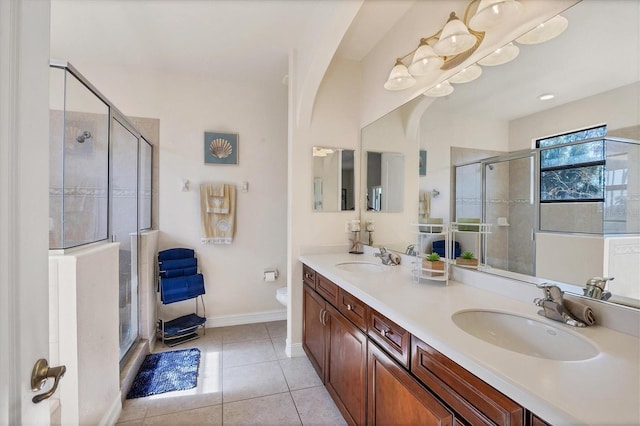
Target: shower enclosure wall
[600, 197]
[100, 183]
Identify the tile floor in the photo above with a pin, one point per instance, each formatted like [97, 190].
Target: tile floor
[245, 378]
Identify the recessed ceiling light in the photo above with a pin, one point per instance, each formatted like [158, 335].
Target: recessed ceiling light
[546, 96]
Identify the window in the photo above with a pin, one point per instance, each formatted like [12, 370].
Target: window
[571, 170]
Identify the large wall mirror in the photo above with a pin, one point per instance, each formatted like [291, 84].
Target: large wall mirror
[333, 179]
[500, 114]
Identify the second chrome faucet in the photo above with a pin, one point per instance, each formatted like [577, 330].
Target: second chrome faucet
[553, 307]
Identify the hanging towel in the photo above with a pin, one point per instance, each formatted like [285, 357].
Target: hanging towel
[218, 228]
[218, 199]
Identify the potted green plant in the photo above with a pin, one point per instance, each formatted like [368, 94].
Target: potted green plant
[467, 258]
[433, 263]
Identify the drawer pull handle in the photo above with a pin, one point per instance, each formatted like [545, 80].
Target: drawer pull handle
[386, 333]
[349, 307]
[308, 275]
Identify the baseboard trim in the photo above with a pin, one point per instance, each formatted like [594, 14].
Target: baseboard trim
[257, 317]
[113, 414]
[294, 350]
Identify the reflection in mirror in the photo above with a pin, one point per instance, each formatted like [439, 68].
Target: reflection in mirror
[501, 113]
[385, 181]
[333, 179]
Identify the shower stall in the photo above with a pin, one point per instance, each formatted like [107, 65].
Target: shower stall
[587, 187]
[99, 184]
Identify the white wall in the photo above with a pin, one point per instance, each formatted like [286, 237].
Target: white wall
[187, 106]
[618, 108]
[335, 123]
[439, 132]
[84, 331]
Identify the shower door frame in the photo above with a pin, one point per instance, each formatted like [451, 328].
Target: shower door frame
[534, 155]
[516, 155]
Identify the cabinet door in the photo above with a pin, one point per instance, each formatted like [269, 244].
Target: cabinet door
[396, 398]
[346, 374]
[313, 329]
[473, 400]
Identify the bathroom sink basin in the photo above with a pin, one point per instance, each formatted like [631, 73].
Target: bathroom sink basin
[524, 335]
[360, 266]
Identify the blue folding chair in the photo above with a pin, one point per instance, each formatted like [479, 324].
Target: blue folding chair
[179, 281]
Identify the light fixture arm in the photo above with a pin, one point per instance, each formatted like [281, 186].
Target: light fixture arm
[454, 60]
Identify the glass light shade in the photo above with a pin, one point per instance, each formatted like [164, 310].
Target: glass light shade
[439, 90]
[545, 31]
[425, 60]
[501, 56]
[399, 78]
[468, 74]
[491, 13]
[455, 38]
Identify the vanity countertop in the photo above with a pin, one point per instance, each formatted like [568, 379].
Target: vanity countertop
[602, 390]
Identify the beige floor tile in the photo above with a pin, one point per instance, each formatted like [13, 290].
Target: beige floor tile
[244, 332]
[276, 409]
[139, 422]
[277, 329]
[299, 373]
[133, 409]
[316, 407]
[251, 381]
[280, 346]
[172, 402]
[247, 352]
[200, 416]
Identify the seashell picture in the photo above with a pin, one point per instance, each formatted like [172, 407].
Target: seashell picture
[220, 148]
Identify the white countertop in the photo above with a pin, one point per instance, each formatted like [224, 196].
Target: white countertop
[597, 391]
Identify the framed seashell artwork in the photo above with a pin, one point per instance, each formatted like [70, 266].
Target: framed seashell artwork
[220, 148]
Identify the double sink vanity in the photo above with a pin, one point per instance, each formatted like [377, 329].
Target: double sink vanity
[394, 350]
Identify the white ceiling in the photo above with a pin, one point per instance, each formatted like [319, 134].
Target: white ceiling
[249, 40]
[243, 40]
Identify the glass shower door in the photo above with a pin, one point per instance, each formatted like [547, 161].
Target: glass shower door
[124, 228]
[509, 205]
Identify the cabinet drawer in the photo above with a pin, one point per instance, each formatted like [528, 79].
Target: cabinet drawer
[352, 308]
[327, 289]
[536, 421]
[309, 276]
[474, 400]
[390, 336]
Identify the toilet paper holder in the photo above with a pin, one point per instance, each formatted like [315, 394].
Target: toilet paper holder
[270, 275]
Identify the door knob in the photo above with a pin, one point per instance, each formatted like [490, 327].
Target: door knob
[41, 372]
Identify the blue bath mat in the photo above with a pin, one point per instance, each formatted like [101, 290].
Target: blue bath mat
[166, 372]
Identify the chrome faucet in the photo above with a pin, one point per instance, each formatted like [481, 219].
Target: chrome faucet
[388, 258]
[595, 288]
[553, 307]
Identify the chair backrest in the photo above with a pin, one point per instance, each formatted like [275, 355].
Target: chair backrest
[179, 277]
[177, 289]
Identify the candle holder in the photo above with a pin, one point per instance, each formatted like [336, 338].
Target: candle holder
[356, 246]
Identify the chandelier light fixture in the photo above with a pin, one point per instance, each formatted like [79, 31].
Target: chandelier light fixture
[459, 38]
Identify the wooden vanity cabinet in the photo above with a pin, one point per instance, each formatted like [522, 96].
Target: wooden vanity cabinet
[390, 336]
[314, 332]
[346, 372]
[396, 398]
[473, 400]
[337, 349]
[353, 308]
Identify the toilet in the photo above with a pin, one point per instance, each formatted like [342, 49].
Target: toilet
[282, 295]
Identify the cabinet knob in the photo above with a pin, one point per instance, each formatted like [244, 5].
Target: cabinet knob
[349, 307]
[386, 333]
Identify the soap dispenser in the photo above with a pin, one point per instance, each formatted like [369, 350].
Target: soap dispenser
[595, 288]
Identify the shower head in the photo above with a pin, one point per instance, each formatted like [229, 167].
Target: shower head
[84, 136]
[490, 166]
